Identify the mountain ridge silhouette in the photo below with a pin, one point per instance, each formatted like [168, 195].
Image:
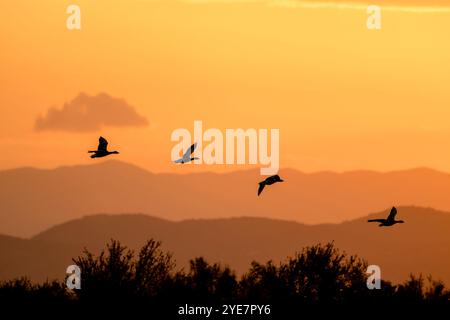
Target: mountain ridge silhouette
[32, 200]
[418, 246]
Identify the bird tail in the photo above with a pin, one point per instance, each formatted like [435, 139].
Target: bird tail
[91, 151]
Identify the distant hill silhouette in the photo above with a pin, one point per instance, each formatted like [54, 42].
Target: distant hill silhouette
[32, 200]
[418, 246]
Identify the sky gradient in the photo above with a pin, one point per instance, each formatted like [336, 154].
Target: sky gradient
[343, 97]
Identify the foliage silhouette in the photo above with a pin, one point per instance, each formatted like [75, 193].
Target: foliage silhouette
[316, 276]
[116, 275]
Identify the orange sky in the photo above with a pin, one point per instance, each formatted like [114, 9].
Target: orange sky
[342, 96]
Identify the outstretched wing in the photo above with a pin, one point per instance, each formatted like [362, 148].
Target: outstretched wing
[190, 150]
[392, 214]
[102, 144]
[261, 187]
[376, 220]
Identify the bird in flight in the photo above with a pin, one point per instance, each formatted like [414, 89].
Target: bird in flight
[269, 181]
[187, 155]
[102, 149]
[390, 221]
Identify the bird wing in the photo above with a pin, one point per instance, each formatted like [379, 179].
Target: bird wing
[392, 214]
[261, 187]
[190, 150]
[102, 144]
[376, 220]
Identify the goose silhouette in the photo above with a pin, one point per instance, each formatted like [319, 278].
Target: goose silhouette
[187, 155]
[269, 181]
[390, 221]
[102, 149]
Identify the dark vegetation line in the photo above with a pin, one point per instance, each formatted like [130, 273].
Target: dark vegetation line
[317, 275]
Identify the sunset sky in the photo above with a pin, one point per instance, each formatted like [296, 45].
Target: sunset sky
[344, 97]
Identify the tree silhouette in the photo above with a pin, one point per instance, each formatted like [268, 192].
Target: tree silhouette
[316, 274]
[210, 282]
[25, 292]
[319, 275]
[415, 291]
[116, 275]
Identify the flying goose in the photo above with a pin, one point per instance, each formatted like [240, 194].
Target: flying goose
[187, 155]
[102, 149]
[390, 221]
[270, 180]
